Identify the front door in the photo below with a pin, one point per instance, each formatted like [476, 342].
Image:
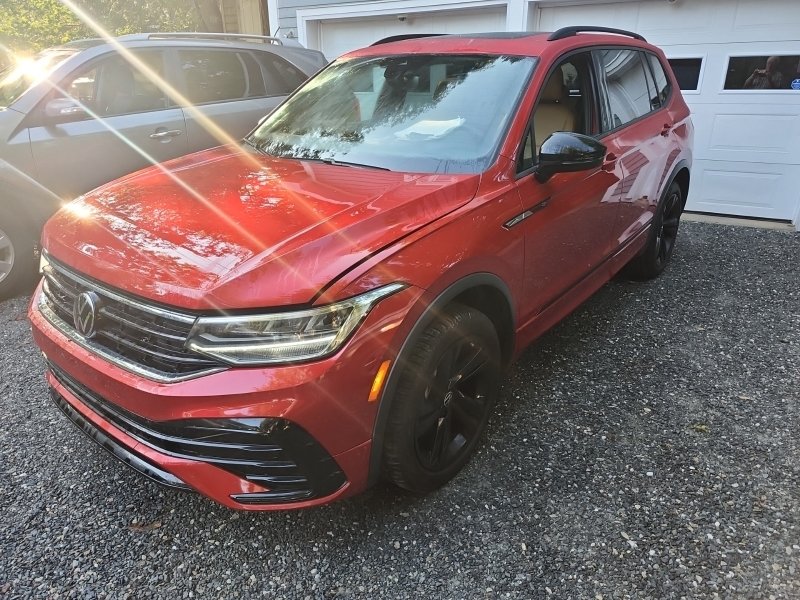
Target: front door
[128, 124]
[569, 219]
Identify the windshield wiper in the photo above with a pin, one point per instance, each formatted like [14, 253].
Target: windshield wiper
[253, 145]
[344, 163]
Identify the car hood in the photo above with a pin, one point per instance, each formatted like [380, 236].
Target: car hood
[226, 228]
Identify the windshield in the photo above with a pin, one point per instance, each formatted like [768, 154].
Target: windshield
[18, 78]
[418, 113]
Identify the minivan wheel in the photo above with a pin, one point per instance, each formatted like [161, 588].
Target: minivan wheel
[448, 384]
[661, 241]
[17, 265]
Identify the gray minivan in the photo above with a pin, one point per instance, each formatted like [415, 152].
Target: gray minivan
[80, 115]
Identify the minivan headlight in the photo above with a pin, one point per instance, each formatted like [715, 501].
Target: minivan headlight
[283, 337]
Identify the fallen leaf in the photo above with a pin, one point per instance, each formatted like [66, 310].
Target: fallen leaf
[145, 526]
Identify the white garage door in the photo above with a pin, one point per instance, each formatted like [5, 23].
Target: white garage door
[342, 35]
[747, 142]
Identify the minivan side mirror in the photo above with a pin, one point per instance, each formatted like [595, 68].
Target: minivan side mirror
[565, 151]
[64, 109]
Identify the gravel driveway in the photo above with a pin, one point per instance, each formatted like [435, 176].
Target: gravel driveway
[646, 447]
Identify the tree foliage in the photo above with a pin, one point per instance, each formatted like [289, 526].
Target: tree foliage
[36, 24]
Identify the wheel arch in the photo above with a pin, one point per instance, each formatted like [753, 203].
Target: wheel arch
[681, 176]
[484, 292]
[21, 195]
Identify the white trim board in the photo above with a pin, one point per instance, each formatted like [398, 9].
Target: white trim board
[308, 18]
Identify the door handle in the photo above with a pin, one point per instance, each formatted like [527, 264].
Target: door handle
[610, 162]
[666, 129]
[166, 134]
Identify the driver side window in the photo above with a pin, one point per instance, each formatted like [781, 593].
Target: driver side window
[564, 104]
[115, 87]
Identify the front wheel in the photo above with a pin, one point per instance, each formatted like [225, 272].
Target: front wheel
[661, 241]
[17, 262]
[448, 384]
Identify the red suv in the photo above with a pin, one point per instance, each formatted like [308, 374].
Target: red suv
[278, 324]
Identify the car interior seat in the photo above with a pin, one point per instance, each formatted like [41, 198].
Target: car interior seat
[117, 90]
[553, 112]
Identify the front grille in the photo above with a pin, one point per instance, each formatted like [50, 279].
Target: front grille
[273, 453]
[138, 336]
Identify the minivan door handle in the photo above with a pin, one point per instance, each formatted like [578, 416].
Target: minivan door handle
[165, 134]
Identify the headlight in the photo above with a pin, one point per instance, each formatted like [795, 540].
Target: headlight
[283, 337]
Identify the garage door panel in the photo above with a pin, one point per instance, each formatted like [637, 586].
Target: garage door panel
[620, 15]
[734, 136]
[764, 15]
[342, 35]
[743, 189]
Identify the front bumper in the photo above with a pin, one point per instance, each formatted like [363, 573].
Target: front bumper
[252, 439]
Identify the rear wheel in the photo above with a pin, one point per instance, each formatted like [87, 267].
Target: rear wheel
[661, 242]
[17, 262]
[444, 397]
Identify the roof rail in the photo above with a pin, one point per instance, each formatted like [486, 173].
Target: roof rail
[405, 36]
[202, 35]
[566, 32]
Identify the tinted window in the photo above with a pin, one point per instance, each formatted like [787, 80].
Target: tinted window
[687, 72]
[623, 84]
[763, 73]
[254, 77]
[420, 113]
[663, 85]
[216, 76]
[115, 87]
[282, 77]
[652, 87]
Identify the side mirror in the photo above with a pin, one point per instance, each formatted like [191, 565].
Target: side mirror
[565, 152]
[64, 109]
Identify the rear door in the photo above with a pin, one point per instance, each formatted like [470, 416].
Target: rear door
[636, 129]
[129, 124]
[231, 90]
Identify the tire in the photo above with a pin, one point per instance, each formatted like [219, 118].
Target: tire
[661, 242]
[448, 385]
[17, 254]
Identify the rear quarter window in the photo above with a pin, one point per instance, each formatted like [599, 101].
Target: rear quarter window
[281, 76]
[625, 93]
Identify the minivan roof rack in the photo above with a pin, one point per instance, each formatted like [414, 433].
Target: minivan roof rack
[202, 35]
[404, 36]
[566, 32]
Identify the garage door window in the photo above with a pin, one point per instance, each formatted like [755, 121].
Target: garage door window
[624, 87]
[687, 72]
[763, 73]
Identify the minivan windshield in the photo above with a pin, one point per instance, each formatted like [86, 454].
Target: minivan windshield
[417, 113]
[18, 78]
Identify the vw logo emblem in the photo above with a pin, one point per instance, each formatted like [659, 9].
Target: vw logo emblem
[84, 314]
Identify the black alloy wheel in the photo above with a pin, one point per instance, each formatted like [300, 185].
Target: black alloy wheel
[454, 404]
[670, 220]
[663, 234]
[445, 392]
